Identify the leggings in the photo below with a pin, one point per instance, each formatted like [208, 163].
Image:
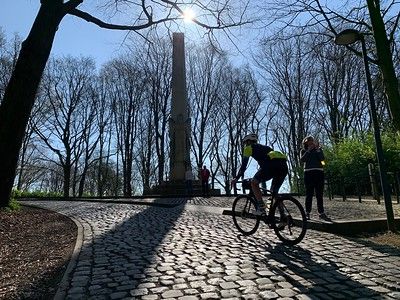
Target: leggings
[314, 181]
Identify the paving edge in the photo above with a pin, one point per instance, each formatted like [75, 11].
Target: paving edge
[346, 227]
[64, 282]
[108, 201]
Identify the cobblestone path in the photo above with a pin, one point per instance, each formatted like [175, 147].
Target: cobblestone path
[148, 252]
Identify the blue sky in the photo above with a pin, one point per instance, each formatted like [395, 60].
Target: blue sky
[79, 38]
[75, 36]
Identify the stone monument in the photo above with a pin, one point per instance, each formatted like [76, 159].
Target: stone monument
[179, 125]
[179, 128]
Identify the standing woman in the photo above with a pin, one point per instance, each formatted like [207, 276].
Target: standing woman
[313, 158]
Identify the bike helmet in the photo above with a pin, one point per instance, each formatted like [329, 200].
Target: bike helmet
[250, 137]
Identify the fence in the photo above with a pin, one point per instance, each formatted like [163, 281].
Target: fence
[358, 186]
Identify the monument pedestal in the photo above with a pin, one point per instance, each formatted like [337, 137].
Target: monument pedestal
[178, 188]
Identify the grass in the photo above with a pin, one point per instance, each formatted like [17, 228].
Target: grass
[13, 206]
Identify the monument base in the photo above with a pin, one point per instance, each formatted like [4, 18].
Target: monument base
[178, 188]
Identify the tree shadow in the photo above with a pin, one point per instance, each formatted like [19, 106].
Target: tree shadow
[319, 274]
[116, 258]
[143, 254]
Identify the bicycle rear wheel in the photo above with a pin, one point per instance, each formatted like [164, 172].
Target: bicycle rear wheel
[288, 219]
[243, 209]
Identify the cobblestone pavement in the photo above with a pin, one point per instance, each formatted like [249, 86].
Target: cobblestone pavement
[148, 252]
[336, 208]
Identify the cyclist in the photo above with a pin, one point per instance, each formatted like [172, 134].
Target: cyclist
[272, 166]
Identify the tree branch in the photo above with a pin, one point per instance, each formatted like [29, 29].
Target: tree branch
[89, 18]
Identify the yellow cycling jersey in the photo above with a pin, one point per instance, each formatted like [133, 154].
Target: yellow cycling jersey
[259, 152]
[276, 155]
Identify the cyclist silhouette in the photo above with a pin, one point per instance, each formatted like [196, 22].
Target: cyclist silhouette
[273, 165]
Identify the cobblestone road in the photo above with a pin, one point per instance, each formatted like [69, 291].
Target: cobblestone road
[148, 252]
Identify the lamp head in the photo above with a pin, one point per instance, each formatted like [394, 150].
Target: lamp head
[347, 37]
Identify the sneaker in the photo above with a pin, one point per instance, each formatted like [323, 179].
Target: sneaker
[308, 216]
[324, 217]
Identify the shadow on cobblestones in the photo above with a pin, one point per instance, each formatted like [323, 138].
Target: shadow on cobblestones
[315, 275]
[116, 259]
[153, 253]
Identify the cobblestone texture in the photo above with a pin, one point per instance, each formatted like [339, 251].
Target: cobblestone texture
[148, 252]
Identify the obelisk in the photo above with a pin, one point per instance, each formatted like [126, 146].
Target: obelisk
[179, 126]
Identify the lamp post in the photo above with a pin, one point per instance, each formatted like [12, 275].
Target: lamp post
[347, 37]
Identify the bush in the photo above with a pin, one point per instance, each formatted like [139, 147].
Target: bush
[347, 161]
[12, 206]
[37, 193]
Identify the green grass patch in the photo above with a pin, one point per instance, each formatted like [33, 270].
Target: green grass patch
[13, 206]
[37, 193]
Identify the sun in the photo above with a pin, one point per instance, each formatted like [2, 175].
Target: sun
[188, 15]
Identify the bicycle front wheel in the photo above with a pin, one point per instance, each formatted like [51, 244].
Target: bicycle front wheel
[243, 209]
[288, 220]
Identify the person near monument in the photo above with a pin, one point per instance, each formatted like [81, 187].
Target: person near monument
[189, 181]
[313, 158]
[272, 165]
[205, 176]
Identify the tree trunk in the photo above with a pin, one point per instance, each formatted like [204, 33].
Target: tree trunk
[82, 181]
[67, 180]
[385, 63]
[21, 91]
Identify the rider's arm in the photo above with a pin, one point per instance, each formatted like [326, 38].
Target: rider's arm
[247, 152]
[243, 167]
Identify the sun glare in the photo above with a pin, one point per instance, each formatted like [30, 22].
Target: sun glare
[188, 15]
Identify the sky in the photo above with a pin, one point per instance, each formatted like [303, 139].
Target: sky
[77, 37]
[74, 37]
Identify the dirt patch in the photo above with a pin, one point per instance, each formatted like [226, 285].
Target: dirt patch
[35, 248]
[385, 238]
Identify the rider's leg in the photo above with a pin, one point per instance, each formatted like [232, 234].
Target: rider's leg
[255, 186]
[258, 195]
[281, 170]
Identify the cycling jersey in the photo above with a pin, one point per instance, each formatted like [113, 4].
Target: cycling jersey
[262, 154]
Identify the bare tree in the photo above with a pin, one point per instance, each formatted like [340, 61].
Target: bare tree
[205, 75]
[104, 126]
[127, 93]
[144, 151]
[375, 18]
[65, 88]
[342, 106]
[156, 62]
[238, 109]
[21, 90]
[290, 78]
[90, 134]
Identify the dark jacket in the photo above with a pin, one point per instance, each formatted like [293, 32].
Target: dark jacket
[312, 159]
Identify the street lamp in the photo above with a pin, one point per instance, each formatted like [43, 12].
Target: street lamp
[347, 37]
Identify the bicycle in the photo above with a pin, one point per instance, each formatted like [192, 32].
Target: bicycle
[286, 215]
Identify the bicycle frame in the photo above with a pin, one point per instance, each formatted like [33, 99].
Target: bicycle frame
[279, 216]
